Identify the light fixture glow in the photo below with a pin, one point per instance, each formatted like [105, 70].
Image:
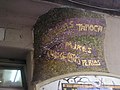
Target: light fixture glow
[13, 75]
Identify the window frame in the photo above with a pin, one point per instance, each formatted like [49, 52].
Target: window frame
[15, 64]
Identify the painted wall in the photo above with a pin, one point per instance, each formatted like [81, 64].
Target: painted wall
[112, 44]
[17, 42]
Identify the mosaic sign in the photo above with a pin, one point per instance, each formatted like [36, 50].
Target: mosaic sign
[75, 41]
[68, 44]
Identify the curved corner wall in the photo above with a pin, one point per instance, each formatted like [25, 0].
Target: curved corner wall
[67, 41]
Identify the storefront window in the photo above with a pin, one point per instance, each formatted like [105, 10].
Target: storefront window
[10, 78]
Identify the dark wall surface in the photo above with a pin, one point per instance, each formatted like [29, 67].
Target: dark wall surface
[107, 6]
